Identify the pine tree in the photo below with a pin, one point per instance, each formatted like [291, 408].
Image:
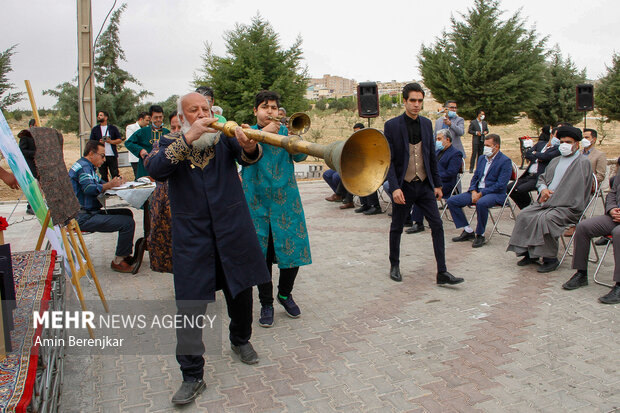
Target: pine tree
[607, 91]
[254, 61]
[486, 63]
[7, 98]
[558, 103]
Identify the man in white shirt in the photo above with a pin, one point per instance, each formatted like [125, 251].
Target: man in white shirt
[110, 136]
[143, 120]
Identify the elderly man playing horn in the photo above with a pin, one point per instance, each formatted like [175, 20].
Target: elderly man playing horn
[214, 242]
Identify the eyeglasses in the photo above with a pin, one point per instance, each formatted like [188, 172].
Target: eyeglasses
[101, 154]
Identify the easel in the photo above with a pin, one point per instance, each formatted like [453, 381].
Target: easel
[77, 255]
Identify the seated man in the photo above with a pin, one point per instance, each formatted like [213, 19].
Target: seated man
[87, 185]
[539, 156]
[449, 164]
[487, 189]
[564, 190]
[593, 227]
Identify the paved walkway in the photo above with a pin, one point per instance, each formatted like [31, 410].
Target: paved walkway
[506, 340]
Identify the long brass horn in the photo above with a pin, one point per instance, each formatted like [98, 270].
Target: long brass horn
[362, 160]
[298, 124]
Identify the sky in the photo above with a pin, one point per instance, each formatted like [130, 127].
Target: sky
[362, 40]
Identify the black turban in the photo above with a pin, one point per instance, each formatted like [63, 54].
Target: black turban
[569, 132]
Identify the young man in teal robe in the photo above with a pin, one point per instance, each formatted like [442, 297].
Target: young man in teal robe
[141, 142]
[275, 205]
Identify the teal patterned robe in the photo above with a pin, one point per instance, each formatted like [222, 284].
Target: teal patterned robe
[273, 197]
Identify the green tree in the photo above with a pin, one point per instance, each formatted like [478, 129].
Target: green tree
[608, 91]
[486, 63]
[254, 61]
[385, 101]
[7, 98]
[321, 104]
[558, 102]
[111, 91]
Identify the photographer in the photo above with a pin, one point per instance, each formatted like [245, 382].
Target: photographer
[110, 136]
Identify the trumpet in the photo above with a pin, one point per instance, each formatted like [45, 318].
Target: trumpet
[298, 123]
[362, 160]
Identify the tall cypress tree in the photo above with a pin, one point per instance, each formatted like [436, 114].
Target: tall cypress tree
[7, 97]
[254, 61]
[607, 91]
[558, 102]
[486, 63]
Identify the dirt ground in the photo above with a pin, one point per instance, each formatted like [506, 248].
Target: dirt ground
[328, 127]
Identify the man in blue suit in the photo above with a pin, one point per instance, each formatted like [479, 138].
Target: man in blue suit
[487, 189]
[413, 178]
[449, 163]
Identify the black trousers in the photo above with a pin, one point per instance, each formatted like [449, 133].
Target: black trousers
[370, 200]
[423, 196]
[285, 282]
[134, 167]
[111, 165]
[521, 193]
[190, 348]
[477, 148]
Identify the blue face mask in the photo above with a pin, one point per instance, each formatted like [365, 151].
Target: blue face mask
[555, 141]
[439, 145]
[451, 114]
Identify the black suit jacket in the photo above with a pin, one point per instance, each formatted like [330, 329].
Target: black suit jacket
[474, 126]
[396, 133]
[534, 153]
[113, 133]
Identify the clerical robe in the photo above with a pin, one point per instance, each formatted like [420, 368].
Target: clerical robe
[144, 138]
[210, 217]
[539, 226]
[272, 194]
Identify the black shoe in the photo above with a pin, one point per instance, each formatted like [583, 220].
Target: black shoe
[548, 266]
[29, 210]
[362, 208]
[292, 309]
[395, 273]
[415, 228]
[612, 297]
[602, 241]
[447, 278]
[465, 236]
[266, 316]
[527, 261]
[407, 223]
[478, 241]
[373, 211]
[246, 353]
[188, 391]
[578, 279]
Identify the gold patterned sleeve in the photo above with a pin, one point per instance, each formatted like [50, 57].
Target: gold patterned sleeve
[250, 161]
[178, 150]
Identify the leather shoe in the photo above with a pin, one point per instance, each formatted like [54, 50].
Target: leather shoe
[446, 278]
[527, 261]
[408, 223]
[188, 391]
[578, 279]
[612, 297]
[548, 266]
[395, 273]
[415, 228]
[347, 205]
[465, 236]
[478, 241]
[334, 198]
[363, 208]
[246, 353]
[373, 211]
[602, 241]
[123, 266]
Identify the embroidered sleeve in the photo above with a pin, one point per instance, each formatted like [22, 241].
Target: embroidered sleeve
[178, 150]
[250, 161]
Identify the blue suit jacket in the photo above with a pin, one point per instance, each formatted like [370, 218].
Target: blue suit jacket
[395, 131]
[448, 167]
[497, 177]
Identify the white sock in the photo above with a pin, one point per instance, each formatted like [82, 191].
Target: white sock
[118, 260]
[468, 229]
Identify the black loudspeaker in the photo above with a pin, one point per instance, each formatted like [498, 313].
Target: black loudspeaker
[367, 100]
[585, 97]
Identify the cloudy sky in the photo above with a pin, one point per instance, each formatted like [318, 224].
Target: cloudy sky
[364, 40]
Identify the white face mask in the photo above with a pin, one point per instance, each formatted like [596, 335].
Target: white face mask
[586, 143]
[487, 151]
[481, 117]
[566, 149]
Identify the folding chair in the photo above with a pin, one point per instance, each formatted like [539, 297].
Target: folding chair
[600, 262]
[591, 202]
[507, 202]
[443, 205]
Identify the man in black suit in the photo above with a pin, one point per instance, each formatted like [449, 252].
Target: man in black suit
[28, 148]
[413, 178]
[478, 129]
[109, 135]
[539, 156]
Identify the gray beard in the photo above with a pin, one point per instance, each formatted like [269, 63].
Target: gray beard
[206, 140]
